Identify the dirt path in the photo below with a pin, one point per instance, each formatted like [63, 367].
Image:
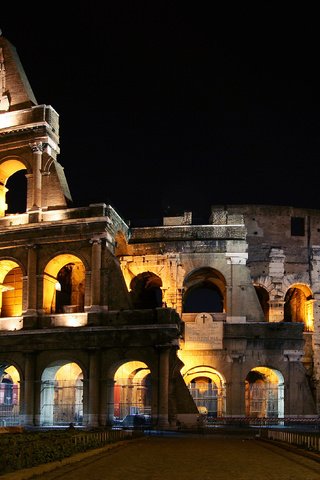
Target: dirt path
[189, 458]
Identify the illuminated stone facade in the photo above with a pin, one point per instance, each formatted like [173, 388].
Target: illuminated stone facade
[100, 320]
[261, 265]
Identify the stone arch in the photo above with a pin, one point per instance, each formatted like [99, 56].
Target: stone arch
[9, 167]
[298, 305]
[263, 297]
[145, 291]
[48, 164]
[9, 394]
[132, 392]
[270, 297]
[207, 387]
[204, 289]
[264, 393]
[61, 397]
[64, 284]
[11, 285]
[264, 282]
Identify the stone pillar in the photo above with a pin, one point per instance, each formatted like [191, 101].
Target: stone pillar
[95, 274]
[293, 394]
[235, 391]
[276, 274]
[181, 273]
[163, 392]
[32, 280]
[276, 310]
[237, 277]
[3, 204]
[37, 149]
[29, 382]
[94, 390]
[109, 405]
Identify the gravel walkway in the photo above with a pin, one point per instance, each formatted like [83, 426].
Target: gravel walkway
[187, 457]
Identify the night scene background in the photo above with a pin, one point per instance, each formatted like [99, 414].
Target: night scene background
[169, 107]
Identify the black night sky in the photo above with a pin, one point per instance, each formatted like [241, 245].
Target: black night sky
[168, 107]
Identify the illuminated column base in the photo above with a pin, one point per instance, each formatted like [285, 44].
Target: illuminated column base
[163, 421]
[31, 312]
[28, 420]
[36, 421]
[187, 420]
[107, 417]
[93, 420]
[97, 308]
[93, 308]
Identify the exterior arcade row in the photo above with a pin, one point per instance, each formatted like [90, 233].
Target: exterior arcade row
[99, 320]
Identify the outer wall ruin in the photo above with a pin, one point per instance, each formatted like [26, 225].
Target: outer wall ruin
[175, 323]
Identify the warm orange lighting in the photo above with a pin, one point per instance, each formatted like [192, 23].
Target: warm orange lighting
[11, 324]
[5, 288]
[67, 320]
[69, 371]
[309, 320]
[8, 119]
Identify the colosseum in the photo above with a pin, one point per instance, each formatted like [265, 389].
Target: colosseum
[175, 322]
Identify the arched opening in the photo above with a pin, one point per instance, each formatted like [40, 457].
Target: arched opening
[263, 297]
[203, 297]
[10, 289]
[61, 398]
[64, 290]
[132, 394]
[9, 395]
[264, 393]
[146, 291]
[207, 388]
[13, 190]
[16, 197]
[204, 291]
[64, 285]
[298, 306]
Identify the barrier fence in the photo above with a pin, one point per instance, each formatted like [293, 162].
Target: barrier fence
[103, 437]
[262, 421]
[308, 441]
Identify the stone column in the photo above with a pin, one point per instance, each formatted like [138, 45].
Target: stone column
[37, 149]
[293, 398]
[29, 382]
[237, 276]
[163, 392]
[94, 390]
[109, 406]
[276, 273]
[32, 280]
[3, 204]
[95, 274]
[276, 309]
[235, 394]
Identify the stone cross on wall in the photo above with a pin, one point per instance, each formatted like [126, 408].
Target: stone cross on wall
[203, 333]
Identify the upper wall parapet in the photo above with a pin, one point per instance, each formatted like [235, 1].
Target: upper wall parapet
[30, 119]
[220, 215]
[188, 233]
[100, 214]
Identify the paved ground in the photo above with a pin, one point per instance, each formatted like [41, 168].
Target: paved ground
[182, 457]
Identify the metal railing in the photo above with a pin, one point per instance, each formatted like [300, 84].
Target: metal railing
[263, 421]
[306, 440]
